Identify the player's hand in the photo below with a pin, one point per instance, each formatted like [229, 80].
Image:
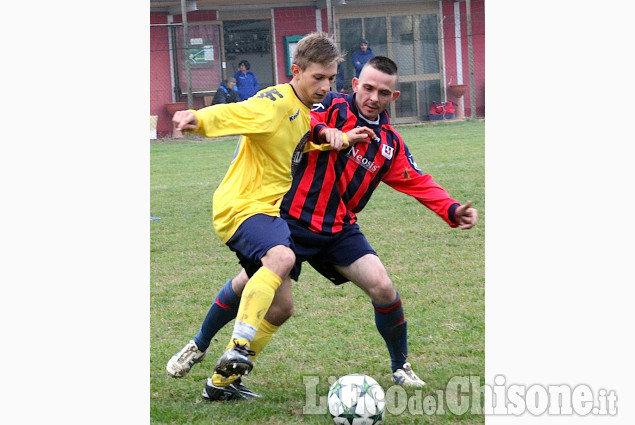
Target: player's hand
[334, 137]
[466, 216]
[184, 120]
[360, 134]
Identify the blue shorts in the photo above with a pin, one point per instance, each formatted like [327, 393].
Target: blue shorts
[257, 235]
[323, 252]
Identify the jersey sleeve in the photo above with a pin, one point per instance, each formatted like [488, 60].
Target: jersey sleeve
[319, 114]
[311, 146]
[258, 116]
[332, 112]
[406, 177]
[324, 115]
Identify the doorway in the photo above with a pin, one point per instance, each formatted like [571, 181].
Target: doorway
[249, 40]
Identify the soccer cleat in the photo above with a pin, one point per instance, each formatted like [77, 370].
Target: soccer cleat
[233, 391]
[213, 393]
[180, 364]
[244, 390]
[406, 377]
[234, 362]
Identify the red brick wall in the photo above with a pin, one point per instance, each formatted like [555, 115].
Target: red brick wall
[160, 80]
[287, 22]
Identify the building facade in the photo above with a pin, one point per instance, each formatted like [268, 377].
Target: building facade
[433, 42]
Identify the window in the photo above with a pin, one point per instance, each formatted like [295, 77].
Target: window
[412, 41]
[248, 36]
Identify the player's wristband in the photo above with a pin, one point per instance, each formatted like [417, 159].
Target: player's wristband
[345, 137]
[452, 213]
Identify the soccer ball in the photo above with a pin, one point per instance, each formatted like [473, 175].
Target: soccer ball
[356, 399]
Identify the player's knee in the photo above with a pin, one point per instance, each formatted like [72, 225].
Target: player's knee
[383, 292]
[288, 258]
[282, 257]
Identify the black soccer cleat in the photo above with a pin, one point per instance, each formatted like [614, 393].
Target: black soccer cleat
[243, 390]
[233, 391]
[235, 361]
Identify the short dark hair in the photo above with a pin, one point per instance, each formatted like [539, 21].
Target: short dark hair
[244, 62]
[383, 64]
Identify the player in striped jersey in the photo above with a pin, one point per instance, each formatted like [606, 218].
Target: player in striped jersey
[328, 189]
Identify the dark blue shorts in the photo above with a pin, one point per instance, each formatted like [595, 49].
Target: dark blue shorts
[257, 235]
[325, 251]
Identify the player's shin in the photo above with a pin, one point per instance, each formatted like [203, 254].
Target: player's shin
[392, 326]
[255, 302]
[262, 338]
[221, 312]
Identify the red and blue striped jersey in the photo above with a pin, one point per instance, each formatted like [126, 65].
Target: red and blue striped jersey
[330, 187]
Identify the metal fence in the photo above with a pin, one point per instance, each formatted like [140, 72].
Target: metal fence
[426, 47]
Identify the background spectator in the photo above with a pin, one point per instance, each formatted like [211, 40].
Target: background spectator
[340, 80]
[227, 92]
[246, 80]
[361, 56]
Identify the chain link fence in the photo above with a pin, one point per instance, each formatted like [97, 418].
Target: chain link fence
[426, 46]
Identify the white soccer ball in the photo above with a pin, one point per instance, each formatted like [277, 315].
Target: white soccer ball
[356, 399]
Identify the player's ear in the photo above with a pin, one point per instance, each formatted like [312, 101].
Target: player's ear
[395, 95]
[295, 70]
[355, 83]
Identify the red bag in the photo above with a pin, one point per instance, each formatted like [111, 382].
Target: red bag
[442, 108]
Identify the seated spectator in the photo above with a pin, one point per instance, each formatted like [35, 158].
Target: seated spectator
[227, 92]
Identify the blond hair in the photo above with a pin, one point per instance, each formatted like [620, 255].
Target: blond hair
[317, 47]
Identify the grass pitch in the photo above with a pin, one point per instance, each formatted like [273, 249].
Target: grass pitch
[439, 272]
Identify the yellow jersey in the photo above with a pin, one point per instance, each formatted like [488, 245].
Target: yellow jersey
[274, 127]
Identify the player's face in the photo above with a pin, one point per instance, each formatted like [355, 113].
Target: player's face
[314, 82]
[374, 92]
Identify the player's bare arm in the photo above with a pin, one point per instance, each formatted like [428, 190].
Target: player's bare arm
[466, 216]
[184, 120]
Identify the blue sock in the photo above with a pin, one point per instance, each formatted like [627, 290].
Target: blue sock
[222, 311]
[392, 326]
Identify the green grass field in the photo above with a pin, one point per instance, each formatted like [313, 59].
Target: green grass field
[438, 271]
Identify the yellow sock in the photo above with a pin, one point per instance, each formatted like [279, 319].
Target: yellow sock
[254, 304]
[264, 334]
[221, 381]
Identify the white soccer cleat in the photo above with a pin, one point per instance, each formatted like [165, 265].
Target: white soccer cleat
[406, 377]
[180, 364]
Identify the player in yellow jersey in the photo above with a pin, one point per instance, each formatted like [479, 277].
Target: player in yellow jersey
[274, 127]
